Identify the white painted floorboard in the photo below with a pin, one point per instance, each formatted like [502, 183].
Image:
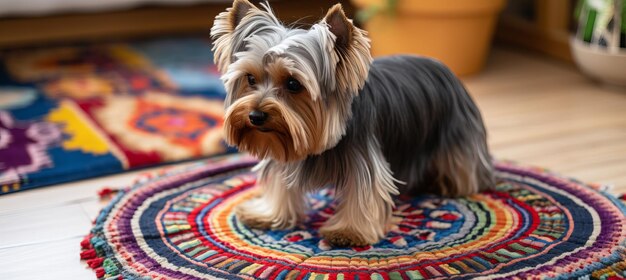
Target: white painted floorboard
[48, 260]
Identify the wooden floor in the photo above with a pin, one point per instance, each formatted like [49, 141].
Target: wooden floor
[538, 112]
[545, 113]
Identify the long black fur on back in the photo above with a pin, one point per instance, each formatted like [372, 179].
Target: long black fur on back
[429, 128]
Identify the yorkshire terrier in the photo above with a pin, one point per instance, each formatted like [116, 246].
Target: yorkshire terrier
[314, 106]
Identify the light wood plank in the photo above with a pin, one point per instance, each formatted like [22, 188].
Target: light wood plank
[52, 260]
[92, 208]
[545, 113]
[43, 225]
[71, 193]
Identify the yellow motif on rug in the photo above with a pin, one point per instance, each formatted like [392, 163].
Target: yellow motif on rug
[82, 135]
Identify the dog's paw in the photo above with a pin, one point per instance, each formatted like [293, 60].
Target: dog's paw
[252, 219]
[344, 238]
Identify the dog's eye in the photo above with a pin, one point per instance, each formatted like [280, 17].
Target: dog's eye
[293, 85]
[251, 79]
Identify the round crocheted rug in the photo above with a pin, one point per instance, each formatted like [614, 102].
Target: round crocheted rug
[179, 224]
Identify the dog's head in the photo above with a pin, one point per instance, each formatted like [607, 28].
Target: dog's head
[289, 90]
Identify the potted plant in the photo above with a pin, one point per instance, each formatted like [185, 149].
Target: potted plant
[599, 45]
[458, 33]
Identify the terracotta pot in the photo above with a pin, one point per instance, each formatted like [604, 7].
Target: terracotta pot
[458, 32]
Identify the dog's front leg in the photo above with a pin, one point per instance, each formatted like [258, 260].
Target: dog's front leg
[365, 201]
[278, 207]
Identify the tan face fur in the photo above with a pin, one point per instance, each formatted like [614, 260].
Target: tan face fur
[294, 126]
[259, 58]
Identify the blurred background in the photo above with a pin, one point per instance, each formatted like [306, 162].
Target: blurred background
[460, 33]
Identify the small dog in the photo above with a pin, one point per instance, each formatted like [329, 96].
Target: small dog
[318, 112]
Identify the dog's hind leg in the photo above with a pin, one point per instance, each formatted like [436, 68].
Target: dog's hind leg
[461, 169]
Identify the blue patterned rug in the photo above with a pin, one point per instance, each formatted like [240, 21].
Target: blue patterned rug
[74, 112]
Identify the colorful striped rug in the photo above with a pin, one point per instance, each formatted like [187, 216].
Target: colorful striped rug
[80, 111]
[179, 224]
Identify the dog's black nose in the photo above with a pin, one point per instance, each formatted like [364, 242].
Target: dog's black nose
[257, 118]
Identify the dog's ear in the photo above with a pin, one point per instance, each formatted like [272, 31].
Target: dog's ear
[224, 26]
[340, 26]
[352, 47]
[238, 11]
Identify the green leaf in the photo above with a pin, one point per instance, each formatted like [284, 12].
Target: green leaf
[588, 31]
[364, 15]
